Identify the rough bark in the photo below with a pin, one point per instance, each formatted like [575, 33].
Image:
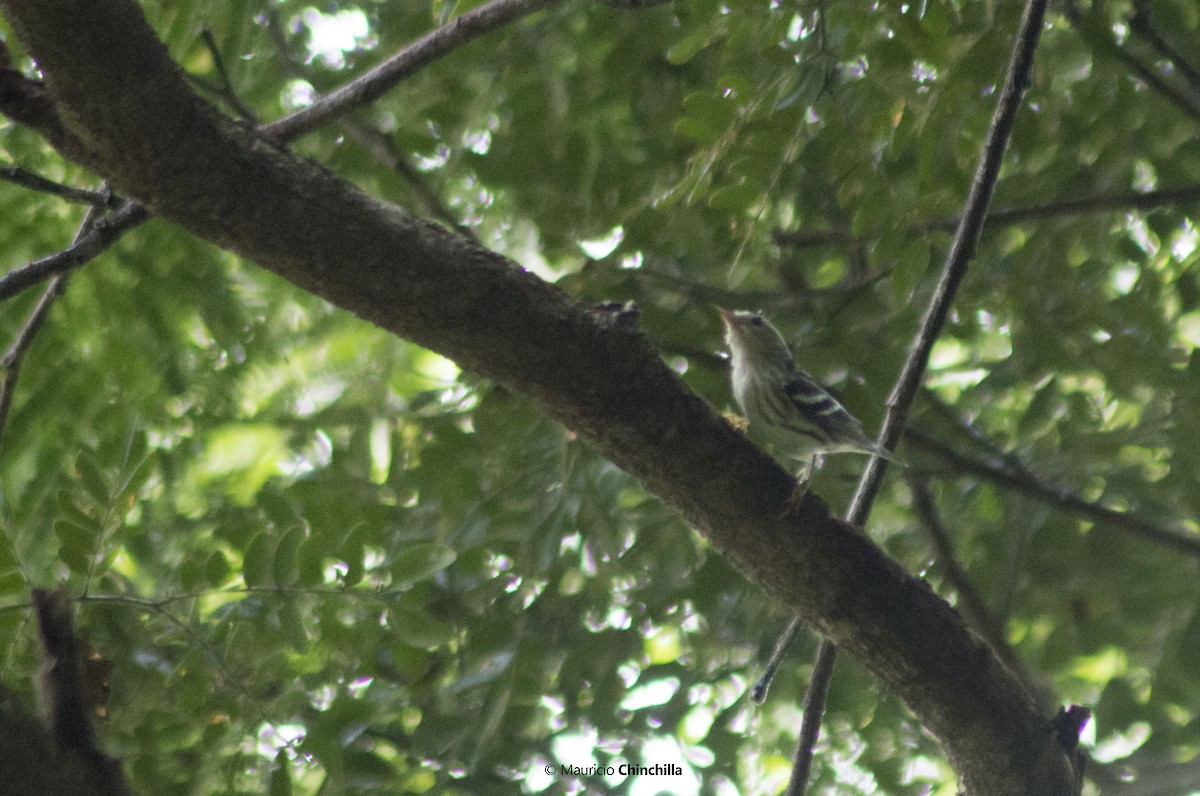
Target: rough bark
[128, 115]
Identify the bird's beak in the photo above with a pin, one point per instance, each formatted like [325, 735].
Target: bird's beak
[726, 315]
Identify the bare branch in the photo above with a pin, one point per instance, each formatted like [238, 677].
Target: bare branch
[1100, 203]
[966, 239]
[11, 362]
[810, 725]
[1026, 484]
[1141, 22]
[104, 233]
[36, 182]
[374, 84]
[381, 146]
[226, 85]
[1101, 37]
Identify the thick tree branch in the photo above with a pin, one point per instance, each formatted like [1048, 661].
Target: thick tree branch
[430, 47]
[65, 692]
[117, 88]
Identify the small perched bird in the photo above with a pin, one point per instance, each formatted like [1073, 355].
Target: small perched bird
[782, 402]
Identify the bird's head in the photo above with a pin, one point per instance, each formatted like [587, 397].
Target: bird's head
[752, 338]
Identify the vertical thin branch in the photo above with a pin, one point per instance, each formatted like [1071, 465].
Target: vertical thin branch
[810, 725]
[966, 239]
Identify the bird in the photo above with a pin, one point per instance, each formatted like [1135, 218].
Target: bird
[781, 402]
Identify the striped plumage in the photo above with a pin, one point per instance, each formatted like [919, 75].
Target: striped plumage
[782, 402]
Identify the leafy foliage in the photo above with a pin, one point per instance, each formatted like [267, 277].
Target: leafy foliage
[318, 554]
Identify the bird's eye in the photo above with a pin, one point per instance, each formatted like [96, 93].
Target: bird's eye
[757, 320]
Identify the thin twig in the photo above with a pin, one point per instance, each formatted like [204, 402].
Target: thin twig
[356, 94]
[226, 85]
[384, 150]
[366, 89]
[810, 723]
[1099, 33]
[11, 362]
[104, 234]
[970, 604]
[36, 182]
[1100, 203]
[1026, 484]
[966, 239]
[1142, 24]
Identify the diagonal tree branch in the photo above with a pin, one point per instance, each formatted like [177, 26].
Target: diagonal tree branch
[1141, 22]
[11, 363]
[36, 182]
[970, 602]
[374, 84]
[1101, 39]
[1100, 203]
[101, 235]
[155, 140]
[225, 85]
[12, 359]
[1030, 486]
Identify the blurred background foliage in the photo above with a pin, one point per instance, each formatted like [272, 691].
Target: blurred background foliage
[323, 560]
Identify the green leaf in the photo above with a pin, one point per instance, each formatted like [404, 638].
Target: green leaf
[256, 561]
[190, 574]
[418, 628]
[13, 583]
[420, 561]
[310, 562]
[70, 510]
[92, 479]
[692, 42]
[136, 481]
[352, 552]
[281, 776]
[292, 625]
[735, 198]
[76, 545]
[216, 569]
[286, 569]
